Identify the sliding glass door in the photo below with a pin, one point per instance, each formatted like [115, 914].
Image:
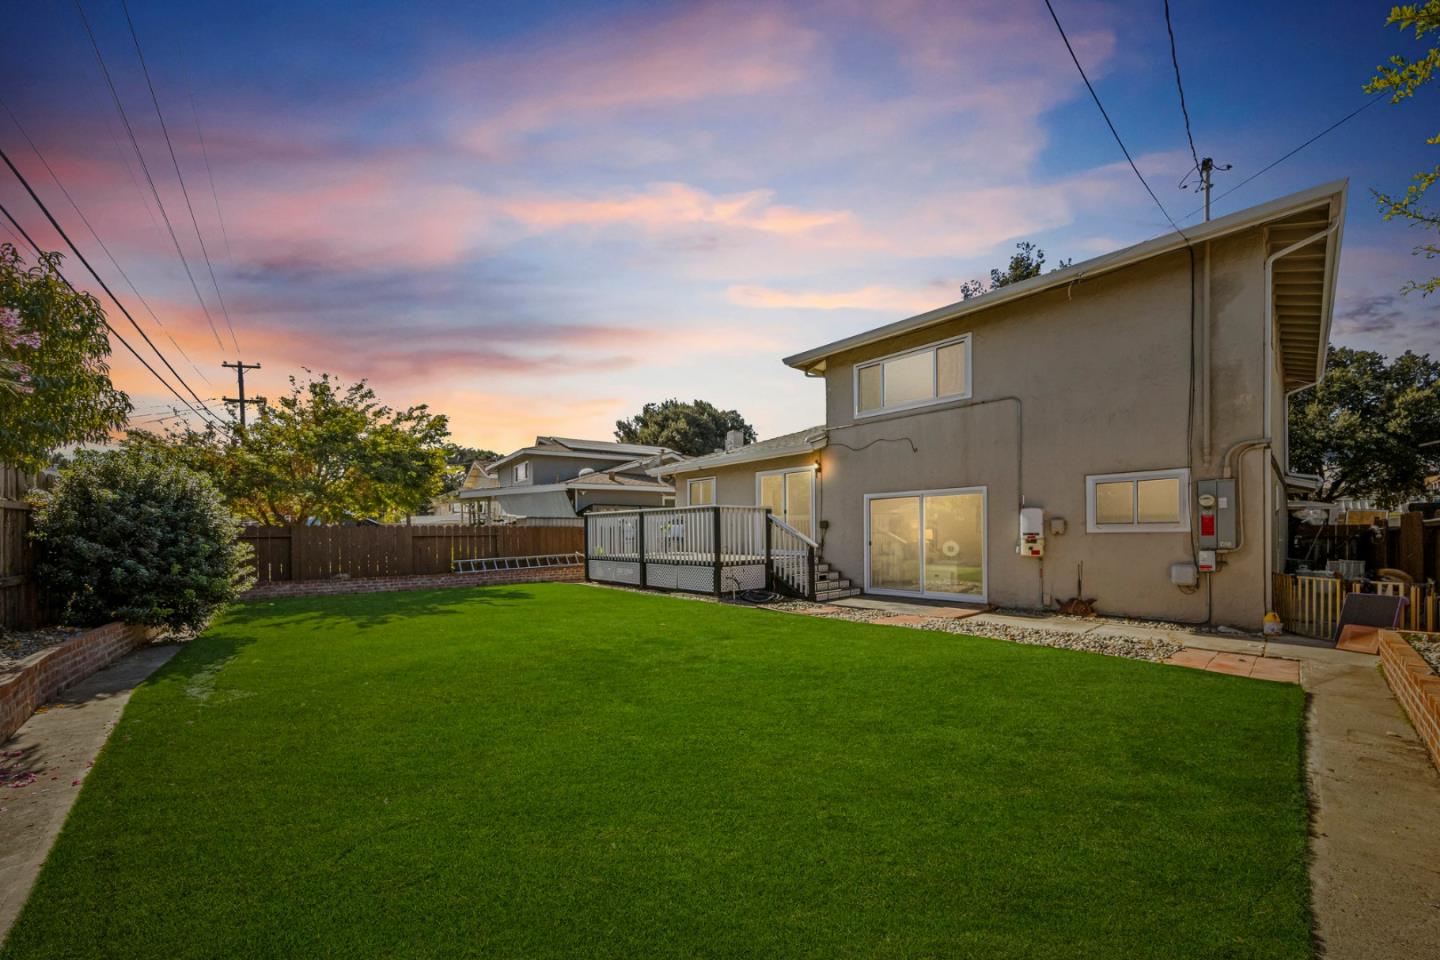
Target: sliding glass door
[927, 544]
[790, 495]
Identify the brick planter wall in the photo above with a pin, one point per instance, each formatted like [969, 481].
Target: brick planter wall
[1416, 687]
[42, 675]
[324, 588]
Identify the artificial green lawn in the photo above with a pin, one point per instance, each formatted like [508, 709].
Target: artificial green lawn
[567, 771]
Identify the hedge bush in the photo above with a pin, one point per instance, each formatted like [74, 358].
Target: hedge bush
[130, 535]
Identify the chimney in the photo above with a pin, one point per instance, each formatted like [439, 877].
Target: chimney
[734, 440]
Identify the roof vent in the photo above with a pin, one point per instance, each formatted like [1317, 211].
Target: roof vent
[585, 471]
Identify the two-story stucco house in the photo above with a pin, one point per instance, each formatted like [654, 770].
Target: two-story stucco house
[1099, 401]
[563, 477]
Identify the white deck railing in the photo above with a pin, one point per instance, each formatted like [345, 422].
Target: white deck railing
[674, 547]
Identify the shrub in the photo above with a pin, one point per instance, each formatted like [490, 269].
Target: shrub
[134, 536]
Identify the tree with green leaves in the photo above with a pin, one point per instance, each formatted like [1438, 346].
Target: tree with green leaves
[326, 451]
[1401, 78]
[1027, 261]
[54, 378]
[1362, 429]
[134, 535]
[694, 428]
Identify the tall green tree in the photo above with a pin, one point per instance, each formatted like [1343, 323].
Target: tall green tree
[1027, 261]
[1401, 78]
[694, 428]
[1362, 429]
[326, 451]
[54, 379]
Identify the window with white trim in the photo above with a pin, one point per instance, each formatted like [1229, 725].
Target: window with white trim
[1145, 501]
[929, 374]
[522, 471]
[700, 493]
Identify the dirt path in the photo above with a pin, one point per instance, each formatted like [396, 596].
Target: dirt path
[47, 760]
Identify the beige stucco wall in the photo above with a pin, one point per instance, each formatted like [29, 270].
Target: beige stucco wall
[1102, 372]
[735, 485]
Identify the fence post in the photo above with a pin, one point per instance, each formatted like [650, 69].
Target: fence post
[769, 580]
[297, 551]
[585, 544]
[640, 547]
[719, 566]
[810, 588]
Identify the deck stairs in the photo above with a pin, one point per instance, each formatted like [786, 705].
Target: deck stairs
[830, 584]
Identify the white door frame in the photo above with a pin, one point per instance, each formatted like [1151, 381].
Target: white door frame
[811, 469]
[983, 596]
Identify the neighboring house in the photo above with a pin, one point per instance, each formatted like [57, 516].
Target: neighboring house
[452, 507]
[1102, 394]
[563, 477]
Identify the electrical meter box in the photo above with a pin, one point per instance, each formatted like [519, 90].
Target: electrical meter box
[1216, 514]
[1032, 532]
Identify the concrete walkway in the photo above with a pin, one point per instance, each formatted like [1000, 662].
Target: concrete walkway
[57, 746]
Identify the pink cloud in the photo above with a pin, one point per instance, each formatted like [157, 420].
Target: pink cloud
[666, 205]
[886, 299]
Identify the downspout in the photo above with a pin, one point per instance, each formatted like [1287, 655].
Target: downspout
[1205, 362]
[1236, 450]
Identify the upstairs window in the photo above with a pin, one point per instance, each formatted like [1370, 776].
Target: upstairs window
[522, 471]
[1151, 501]
[931, 374]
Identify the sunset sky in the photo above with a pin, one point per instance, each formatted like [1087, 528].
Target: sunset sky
[535, 217]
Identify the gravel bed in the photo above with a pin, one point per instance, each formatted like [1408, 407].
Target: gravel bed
[16, 646]
[1096, 641]
[1428, 646]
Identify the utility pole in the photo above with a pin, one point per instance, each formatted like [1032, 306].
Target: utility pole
[1207, 166]
[240, 367]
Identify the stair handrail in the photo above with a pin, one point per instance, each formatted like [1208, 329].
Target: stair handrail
[791, 530]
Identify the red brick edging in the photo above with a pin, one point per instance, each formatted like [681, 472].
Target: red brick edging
[1416, 686]
[45, 673]
[322, 588]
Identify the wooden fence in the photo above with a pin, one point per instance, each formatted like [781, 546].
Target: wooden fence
[19, 598]
[1310, 605]
[326, 553]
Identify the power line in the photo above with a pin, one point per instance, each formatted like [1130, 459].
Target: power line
[1175, 60]
[104, 320]
[1108, 122]
[1275, 163]
[155, 99]
[145, 168]
[98, 279]
[86, 220]
[205, 155]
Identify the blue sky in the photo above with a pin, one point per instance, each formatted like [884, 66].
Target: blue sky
[535, 217]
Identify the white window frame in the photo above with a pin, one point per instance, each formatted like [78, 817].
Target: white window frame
[812, 470]
[714, 495]
[984, 595]
[932, 349]
[1182, 526]
[521, 471]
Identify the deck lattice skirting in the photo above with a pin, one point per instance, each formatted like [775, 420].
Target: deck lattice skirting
[43, 674]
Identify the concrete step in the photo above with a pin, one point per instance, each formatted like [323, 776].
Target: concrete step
[825, 596]
[822, 568]
[823, 575]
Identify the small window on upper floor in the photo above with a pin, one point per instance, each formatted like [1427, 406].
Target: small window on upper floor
[522, 471]
[930, 374]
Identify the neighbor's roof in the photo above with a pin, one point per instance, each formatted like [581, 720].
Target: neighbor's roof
[785, 445]
[594, 449]
[1302, 299]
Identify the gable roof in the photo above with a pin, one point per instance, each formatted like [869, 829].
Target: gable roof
[1302, 302]
[785, 445]
[585, 450]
